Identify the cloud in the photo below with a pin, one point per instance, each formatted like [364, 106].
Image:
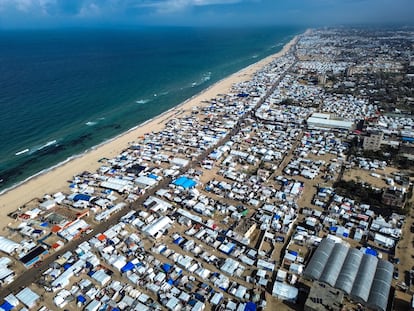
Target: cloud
[20, 5]
[58, 13]
[79, 7]
[171, 6]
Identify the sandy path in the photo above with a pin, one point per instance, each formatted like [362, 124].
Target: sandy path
[56, 179]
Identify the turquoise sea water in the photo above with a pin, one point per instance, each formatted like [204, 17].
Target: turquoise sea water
[65, 91]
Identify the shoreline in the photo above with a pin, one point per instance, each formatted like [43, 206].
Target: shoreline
[54, 179]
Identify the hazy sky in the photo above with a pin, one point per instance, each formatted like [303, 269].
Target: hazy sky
[108, 13]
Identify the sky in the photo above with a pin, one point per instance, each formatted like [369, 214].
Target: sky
[131, 13]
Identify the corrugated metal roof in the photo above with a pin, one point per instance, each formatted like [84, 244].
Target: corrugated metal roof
[362, 276]
[363, 281]
[334, 265]
[381, 285]
[319, 259]
[349, 271]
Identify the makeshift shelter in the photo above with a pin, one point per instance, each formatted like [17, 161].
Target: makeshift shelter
[185, 182]
[6, 306]
[127, 267]
[28, 297]
[8, 246]
[362, 276]
[285, 292]
[157, 226]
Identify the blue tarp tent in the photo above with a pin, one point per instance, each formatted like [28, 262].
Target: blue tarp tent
[409, 139]
[163, 249]
[231, 247]
[242, 95]
[153, 176]
[6, 306]
[199, 297]
[178, 240]
[184, 182]
[81, 299]
[250, 306]
[83, 197]
[127, 267]
[66, 266]
[371, 251]
[293, 253]
[166, 267]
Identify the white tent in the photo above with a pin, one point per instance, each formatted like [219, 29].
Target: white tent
[8, 246]
[28, 297]
[285, 292]
[157, 226]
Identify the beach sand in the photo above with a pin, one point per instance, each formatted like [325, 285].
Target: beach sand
[56, 180]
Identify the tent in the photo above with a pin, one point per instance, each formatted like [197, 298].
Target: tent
[6, 306]
[178, 240]
[184, 182]
[285, 292]
[8, 246]
[166, 267]
[250, 306]
[371, 251]
[28, 297]
[127, 267]
[81, 197]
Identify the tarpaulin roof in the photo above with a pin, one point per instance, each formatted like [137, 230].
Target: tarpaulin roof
[371, 251]
[81, 299]
[127, 267]
[184, 182]
[81, 197]
[250, 306]
[166, 267]
[6, 306]
[7, 246]
[358, 273]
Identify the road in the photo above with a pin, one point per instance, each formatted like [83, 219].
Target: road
[33, 274]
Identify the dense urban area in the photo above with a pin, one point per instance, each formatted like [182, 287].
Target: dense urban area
[291, 192]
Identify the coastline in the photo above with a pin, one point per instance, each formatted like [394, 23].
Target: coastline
[54, 179]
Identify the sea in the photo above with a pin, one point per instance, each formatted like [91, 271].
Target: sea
[64, 91]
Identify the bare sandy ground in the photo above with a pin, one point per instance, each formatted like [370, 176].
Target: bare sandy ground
[56, 179]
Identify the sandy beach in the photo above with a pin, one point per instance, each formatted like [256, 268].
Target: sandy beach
[56, 180]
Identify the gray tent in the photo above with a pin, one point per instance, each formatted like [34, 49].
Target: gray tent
[380, 289]
[349, 271]
[334, 265]
[362, 276]
[319, 259]
[362, 285]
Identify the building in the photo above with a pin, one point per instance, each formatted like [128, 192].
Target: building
[37, 254]
[394, 197]
[324, 121]
[246, 227]
[363, 277]
[373, 141]
[322, 297]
